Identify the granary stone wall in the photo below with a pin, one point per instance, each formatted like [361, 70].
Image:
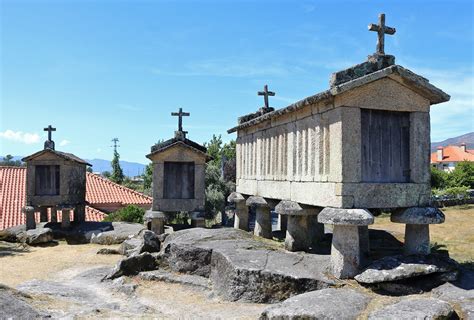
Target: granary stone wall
[178, 153]
[313, 155]
[72, 182]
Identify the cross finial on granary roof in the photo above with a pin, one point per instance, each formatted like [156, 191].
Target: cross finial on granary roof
[265, 93]
[49, 144]
[381, 30]
[180, 114]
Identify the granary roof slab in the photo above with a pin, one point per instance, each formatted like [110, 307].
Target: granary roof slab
[398, 73]
[64, 155]
[160, 147]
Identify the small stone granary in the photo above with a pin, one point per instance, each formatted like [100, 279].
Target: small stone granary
[328, 159]
[178, 177]
[55, 180]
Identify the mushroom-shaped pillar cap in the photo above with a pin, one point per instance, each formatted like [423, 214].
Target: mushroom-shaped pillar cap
[351, 217]
[235, 197]
[256, 201]
[150, 214]
[418, 215]
[28, 209]
[293, 208]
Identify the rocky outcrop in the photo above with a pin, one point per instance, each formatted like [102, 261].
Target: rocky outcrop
[422, 308]
[13, 234]
[16, 305]
[39, 236]
[121, 231]
[133, 265]
[403, 275]
[105, 233]
[403, 267]
[242, 268]
[171, 277]
[460, 293]
[344, 304]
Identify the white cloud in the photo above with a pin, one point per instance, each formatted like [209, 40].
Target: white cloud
[99, 150]
[20, 136]
[64, 143]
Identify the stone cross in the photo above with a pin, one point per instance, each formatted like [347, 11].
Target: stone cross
[180, 114]
[49, 129]
[381, 29]
[265, 93]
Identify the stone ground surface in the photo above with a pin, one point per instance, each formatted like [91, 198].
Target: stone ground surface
[220, 266]
[65, 281]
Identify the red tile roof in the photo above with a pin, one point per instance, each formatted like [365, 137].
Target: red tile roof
[453, 154]
[98, 190]
[101, 190]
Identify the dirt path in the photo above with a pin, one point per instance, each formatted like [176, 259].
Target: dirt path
[65, 280]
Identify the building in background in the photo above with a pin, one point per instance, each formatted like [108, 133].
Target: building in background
[446, 158]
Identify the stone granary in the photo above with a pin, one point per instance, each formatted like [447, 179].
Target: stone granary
[55, 180]
[178, 177]
[364, 143]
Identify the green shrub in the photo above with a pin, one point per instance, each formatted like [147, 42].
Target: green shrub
[130, 213]
[439, 178]
[459, 193]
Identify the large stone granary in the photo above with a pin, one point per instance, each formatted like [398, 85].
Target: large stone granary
[363, 143]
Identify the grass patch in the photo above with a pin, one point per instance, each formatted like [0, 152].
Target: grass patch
[455, 235]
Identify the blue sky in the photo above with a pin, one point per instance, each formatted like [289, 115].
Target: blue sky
[103, 69]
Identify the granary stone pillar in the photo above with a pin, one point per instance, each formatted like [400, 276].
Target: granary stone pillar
[155, 221]
[29, 211]
[241, 216]
[43, 214]
[303, 230]
[80, 213]
[66, 216]
[54, 214]
[197, 221]
[263, 222]
[282, 222]
[417, 230]
[349, 240]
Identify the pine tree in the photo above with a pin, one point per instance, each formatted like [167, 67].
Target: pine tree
[117, 173]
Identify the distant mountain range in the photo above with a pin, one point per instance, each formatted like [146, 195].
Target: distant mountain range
[130, 169]
[467, 138]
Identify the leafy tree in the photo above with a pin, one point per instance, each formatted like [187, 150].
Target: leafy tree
[9, 162]
[148, 176]
[463, 175]
[106, 174]
[130, 213]
[89, 169]
[219, 184]
[228, 150]
[214, 148]
[117, 173]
